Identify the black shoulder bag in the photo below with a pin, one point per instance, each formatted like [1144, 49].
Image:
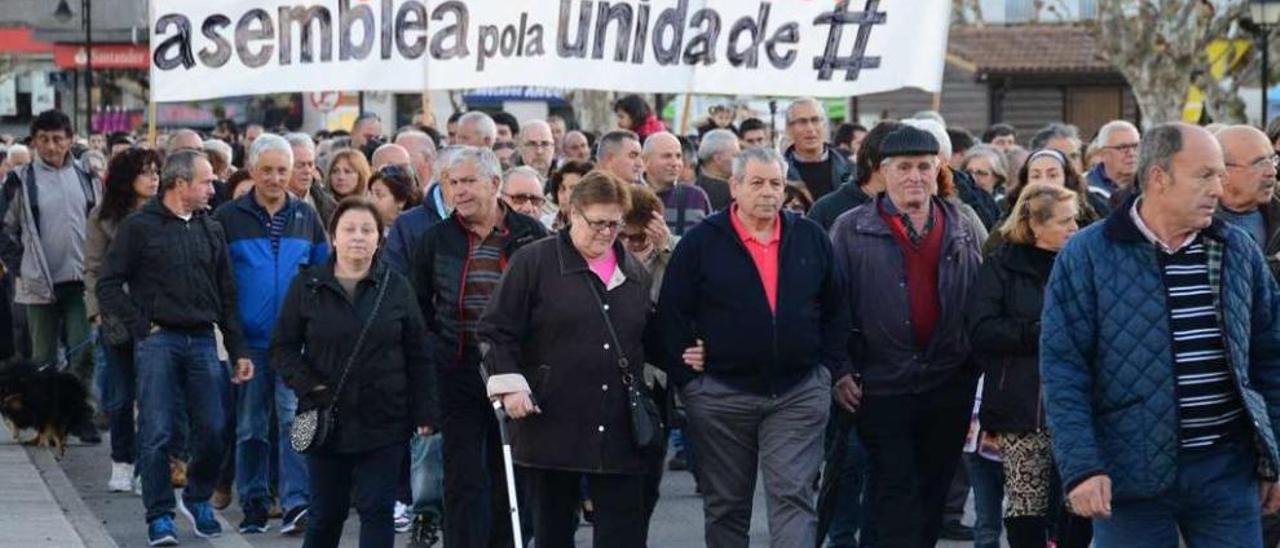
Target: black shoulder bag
[314, 429]
[646, 424]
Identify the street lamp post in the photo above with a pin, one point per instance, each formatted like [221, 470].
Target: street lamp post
[63, 13]
[1265, 15]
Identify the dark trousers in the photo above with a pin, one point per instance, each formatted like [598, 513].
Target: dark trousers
[119, 399]
[475, 489]
[619, 508]
[655, 465]
[334, 477]
[914, 443]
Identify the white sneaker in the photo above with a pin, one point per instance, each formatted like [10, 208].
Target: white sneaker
[403, 521]
[137, 485]
[121, 477]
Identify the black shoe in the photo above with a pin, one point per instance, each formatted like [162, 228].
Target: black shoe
[87, 433]
[255, 521]
[425, 532]
[294, 522]
[954, 530]
[678, 462]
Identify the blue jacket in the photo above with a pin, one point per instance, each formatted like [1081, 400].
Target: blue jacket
[405, 235]
[711, 291]
[1105, 363]
[262, 277]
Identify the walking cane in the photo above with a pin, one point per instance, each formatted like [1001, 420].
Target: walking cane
[517, 536]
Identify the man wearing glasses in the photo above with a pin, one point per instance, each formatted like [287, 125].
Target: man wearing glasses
[1248, 191]
[522, 190]
[810, 159]
[537, 147]
[1112, 178]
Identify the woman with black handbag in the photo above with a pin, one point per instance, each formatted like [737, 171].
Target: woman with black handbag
[361, 398]
[564, 333]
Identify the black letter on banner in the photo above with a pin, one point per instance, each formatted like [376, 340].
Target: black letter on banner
[671, 19]
[180, 41]
[830, 61]
[347, 17]
[388, 24]
[244, 35]
[703, 46]
[622, 14]
[579, 47]
[405, 24]
[304, 17]
[488, 44]
[222, 48]
[458, 30]
[788, 34]
[751, 55]
[642, 32]
[533, 44]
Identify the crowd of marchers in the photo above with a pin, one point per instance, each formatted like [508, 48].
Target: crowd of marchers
[875, 322]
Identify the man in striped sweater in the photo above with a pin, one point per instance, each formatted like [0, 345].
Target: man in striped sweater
[1160, 359]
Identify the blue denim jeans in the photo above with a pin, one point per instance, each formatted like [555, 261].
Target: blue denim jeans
[175, 367]
[849, 517]
[1213, 502]
[426, 475]
[987, 479]
[118, 397]
[255, 401]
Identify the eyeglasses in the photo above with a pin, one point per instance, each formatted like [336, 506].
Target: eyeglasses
[638, 239]
[602, 225]
[1123, 147]
[1261, 164]
[522, 199]
[981, 173]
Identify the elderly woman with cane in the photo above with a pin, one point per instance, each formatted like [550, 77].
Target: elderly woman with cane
[564, 333]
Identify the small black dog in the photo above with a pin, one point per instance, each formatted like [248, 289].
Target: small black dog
[45, 400]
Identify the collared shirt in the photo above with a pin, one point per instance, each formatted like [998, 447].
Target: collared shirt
[915, 236]
[274, 223]
[1151, 236]
[763, 253]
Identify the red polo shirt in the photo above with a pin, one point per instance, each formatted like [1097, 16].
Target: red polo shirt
[763, 253]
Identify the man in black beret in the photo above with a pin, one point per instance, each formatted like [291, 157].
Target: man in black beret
[910, 259]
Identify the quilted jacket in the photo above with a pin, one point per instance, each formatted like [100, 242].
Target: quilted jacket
[1105, 363]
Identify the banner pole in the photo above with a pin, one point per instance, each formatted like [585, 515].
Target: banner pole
[684, 117]
[428, 119]
[151, 120]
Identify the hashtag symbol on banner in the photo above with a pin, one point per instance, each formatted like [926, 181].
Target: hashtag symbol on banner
[830, 61]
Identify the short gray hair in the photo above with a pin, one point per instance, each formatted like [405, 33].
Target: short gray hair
[930, 115]
[762, 155]
[1158, 148]
[484, 158]
[522, 170]
[1111, 127]
[268, 142]
[484, 123]
[999, 164]
[609, 143]
[822, 110]
[181, 165]
[299, 139]
[219, 147]
[1054, 131]
[715, 142]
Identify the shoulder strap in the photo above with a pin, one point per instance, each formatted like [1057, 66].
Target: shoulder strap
[364, 332]
[623, 364]
[682, 203]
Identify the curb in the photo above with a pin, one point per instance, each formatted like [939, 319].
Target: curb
[88, 526]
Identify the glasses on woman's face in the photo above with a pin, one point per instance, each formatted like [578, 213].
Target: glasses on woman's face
[601, 225]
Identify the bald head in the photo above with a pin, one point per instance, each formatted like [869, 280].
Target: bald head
[184, 139]
[576, 147]
[422, 153]
[1251, 168]
[663, 160]
[537, 145]
[391, 155]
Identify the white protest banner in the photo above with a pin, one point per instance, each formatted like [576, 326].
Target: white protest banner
[203, 49]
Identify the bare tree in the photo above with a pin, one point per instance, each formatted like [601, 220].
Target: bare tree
[594, 108]
[1159, 46]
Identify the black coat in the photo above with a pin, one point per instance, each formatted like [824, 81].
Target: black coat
[543, 323]
[1004, 328]
[391, 387]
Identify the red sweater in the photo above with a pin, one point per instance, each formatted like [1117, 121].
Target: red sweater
[921, 265]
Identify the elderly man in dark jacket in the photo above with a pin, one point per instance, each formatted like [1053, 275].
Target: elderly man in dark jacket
[760, 291]
[1160, 353]
[455, 272]
[174, 260]
[910, 259]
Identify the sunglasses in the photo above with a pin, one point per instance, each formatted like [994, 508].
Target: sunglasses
[522, 199]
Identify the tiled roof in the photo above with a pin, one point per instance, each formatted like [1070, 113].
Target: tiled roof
[1026, 49]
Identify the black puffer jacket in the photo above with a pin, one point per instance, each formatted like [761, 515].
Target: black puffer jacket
[1004, 328]
[391, 387]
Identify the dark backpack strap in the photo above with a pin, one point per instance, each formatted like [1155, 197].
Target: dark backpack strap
[681, 206]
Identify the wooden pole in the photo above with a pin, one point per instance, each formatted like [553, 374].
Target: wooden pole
[151, 120]
[428, 119]
[684, 117]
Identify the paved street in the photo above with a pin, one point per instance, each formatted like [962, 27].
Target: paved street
[677, 523]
